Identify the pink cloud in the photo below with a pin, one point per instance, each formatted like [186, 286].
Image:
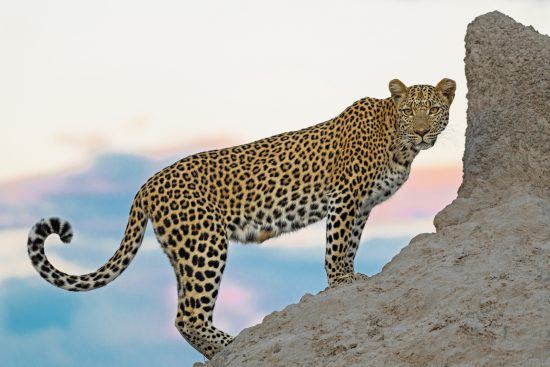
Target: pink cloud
[33, 188]
[237, 307]
[427, 191]
[29, 189]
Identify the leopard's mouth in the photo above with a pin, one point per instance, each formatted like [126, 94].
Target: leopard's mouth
[424, 145]
[420, 143]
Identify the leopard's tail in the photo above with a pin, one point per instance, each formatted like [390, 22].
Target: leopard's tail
[133, 236]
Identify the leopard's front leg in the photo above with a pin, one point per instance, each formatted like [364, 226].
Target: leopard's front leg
[342, 210]
[357, 230]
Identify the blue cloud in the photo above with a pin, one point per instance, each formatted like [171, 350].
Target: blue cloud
[28, 309]
[75, 196]
[285, 274]
[124, 324]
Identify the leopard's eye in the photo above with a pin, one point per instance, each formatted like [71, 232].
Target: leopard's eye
[434, 110]
[407, 111]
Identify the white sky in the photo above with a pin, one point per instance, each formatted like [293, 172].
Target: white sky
[80, 77]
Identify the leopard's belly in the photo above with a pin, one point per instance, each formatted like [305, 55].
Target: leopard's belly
[263, 224]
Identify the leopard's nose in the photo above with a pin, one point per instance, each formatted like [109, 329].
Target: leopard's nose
[421, 131]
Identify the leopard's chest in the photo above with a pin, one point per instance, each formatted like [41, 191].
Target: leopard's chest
[384, 188]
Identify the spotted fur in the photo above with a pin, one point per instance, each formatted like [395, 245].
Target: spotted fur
[338, 170]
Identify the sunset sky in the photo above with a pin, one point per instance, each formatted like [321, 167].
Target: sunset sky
[96, 96]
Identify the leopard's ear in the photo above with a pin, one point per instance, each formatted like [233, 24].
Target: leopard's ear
[446, 90]
[398, 90]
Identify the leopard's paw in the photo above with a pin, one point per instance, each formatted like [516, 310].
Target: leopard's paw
[359, 276]
[341, 279]
[347, 279]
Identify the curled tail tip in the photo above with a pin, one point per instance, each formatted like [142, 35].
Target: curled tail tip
[46, 226]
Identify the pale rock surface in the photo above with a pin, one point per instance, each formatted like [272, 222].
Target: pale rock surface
[477, 292]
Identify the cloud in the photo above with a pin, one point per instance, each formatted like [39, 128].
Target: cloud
[93, 143]
[199, 143]
[424, 194]
[130, 322]
[20, 308]
[95, 198]
[409, 212]
[238, 306]
[314, 235]
[120, 325]
[405, 228]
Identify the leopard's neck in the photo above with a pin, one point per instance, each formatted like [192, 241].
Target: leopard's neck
[402, 152]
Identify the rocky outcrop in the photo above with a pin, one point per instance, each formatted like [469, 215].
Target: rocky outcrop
[476, 292]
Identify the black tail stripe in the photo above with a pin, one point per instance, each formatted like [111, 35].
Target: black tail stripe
[42, 230]
[65, 229]
[55, 224]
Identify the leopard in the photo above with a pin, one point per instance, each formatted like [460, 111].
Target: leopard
[337, 170]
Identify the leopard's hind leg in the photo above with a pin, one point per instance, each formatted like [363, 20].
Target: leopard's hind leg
[198, 251]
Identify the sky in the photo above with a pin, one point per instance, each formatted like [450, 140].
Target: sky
[95, 97]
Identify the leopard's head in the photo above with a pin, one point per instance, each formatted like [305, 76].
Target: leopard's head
[422, 110]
